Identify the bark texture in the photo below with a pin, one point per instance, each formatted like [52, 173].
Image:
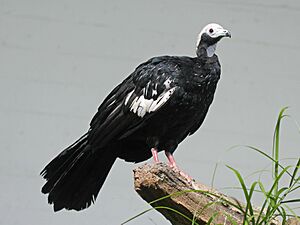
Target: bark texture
[191, 199]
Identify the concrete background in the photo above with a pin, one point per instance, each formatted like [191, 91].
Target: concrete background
[60, 58]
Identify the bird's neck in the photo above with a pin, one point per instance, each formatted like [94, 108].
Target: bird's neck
[204, 50]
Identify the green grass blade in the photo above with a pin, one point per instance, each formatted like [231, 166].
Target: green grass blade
[293, 214]
[214, 175]
[231, 220]
[291, 201]
[212, 218]
[295, 173]
[246, 194]
[282, 213]
[261, 213]
[267, 156]
[275, 152]
[136, 216]
[295, 188]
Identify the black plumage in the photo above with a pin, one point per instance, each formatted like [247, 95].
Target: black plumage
[155, 108]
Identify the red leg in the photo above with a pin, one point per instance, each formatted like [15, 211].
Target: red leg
[155, 155]
[172, 164]
[171, 159]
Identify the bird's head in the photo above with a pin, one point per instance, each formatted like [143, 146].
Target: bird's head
[209, 37]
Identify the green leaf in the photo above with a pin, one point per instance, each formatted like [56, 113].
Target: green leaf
[295, 173]
[246, 194]
[291, 201]
[212, 218]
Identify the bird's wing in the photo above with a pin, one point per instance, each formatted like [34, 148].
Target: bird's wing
[133, 102]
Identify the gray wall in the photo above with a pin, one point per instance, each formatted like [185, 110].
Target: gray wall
[59, 59]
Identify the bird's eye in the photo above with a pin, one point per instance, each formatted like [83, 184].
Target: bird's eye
[211, 30]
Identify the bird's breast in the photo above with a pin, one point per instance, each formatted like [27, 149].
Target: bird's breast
[197, 92]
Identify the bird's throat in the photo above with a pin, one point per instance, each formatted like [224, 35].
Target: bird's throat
[204, 51]
[210, 50]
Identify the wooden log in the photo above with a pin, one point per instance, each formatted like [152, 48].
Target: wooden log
[187, 200]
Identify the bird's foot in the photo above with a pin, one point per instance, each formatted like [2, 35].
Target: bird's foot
[173, 165]
[185, 175]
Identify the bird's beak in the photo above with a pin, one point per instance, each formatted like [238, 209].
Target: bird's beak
[226, 33]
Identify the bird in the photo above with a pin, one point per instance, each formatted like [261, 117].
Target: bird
[164, 100]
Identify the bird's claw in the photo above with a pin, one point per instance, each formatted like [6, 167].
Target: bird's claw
[183, 174]
[186, 176]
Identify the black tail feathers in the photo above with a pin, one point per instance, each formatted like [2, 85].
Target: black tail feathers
[76, 175]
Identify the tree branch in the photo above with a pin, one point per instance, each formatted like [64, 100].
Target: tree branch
[187, 200]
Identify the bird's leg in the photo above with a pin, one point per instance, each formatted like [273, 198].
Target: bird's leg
[171, 160]
[172, 164]
[155, 155]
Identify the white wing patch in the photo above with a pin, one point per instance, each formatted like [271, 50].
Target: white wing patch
[167, 83]
[154, 92]
[141, 106]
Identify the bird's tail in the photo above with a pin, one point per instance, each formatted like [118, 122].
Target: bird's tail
[76, 175]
